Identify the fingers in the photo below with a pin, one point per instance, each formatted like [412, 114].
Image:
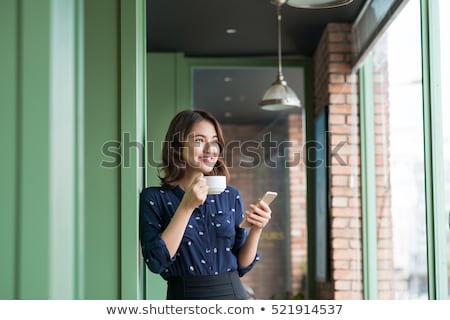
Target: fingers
[260, 215]
[199, 178]
[200, 185]
[264, 206]
[200, 190]
[196, 193]
[262, 209]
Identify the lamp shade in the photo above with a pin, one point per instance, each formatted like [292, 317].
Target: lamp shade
[279, 97]
[317, 4]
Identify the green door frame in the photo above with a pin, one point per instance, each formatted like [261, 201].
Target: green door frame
[368, 181]
[433, 151]
[133, 127]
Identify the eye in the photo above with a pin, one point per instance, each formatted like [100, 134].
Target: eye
[198, 142]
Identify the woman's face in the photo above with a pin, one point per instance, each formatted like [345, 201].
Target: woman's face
[201, 150]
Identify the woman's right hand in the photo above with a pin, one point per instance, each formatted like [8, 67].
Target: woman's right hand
[196, 193]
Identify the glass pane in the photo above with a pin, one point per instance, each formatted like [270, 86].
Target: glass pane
[398, 121]
[255, 169]
[445, 74]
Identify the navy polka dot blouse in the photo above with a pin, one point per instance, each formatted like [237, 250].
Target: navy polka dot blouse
[210, 242]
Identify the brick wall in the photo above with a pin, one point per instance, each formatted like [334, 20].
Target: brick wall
[297, 202]
[253, 174]
[335, 87]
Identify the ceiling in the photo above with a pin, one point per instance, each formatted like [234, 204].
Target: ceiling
[198, 28]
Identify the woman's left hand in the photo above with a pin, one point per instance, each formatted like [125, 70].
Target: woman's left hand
[259, 215]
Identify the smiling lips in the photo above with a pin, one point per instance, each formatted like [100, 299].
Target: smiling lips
[208, 159]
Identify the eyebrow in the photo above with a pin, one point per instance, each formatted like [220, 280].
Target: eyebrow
[203, 136]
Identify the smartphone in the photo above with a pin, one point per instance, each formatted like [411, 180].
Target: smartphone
[268, 197]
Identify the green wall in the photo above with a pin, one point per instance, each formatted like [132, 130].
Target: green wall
[31, 134]
[73, 79]
[9, 154]
[101, 124]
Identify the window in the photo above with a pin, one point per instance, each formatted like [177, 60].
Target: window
[399, 159]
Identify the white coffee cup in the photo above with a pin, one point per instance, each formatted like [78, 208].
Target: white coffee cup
[216, 184]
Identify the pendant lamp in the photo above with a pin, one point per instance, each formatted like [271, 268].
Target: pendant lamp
[279, 96]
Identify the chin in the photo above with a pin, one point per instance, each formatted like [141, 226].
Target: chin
[207, 169]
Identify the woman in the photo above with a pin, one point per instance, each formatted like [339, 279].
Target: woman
[192, 239]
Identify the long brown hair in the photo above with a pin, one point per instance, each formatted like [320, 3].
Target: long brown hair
[173, 166]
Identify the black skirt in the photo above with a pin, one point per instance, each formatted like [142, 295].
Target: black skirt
[226, 286]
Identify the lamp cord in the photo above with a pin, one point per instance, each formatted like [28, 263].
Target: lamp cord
[280, 73]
